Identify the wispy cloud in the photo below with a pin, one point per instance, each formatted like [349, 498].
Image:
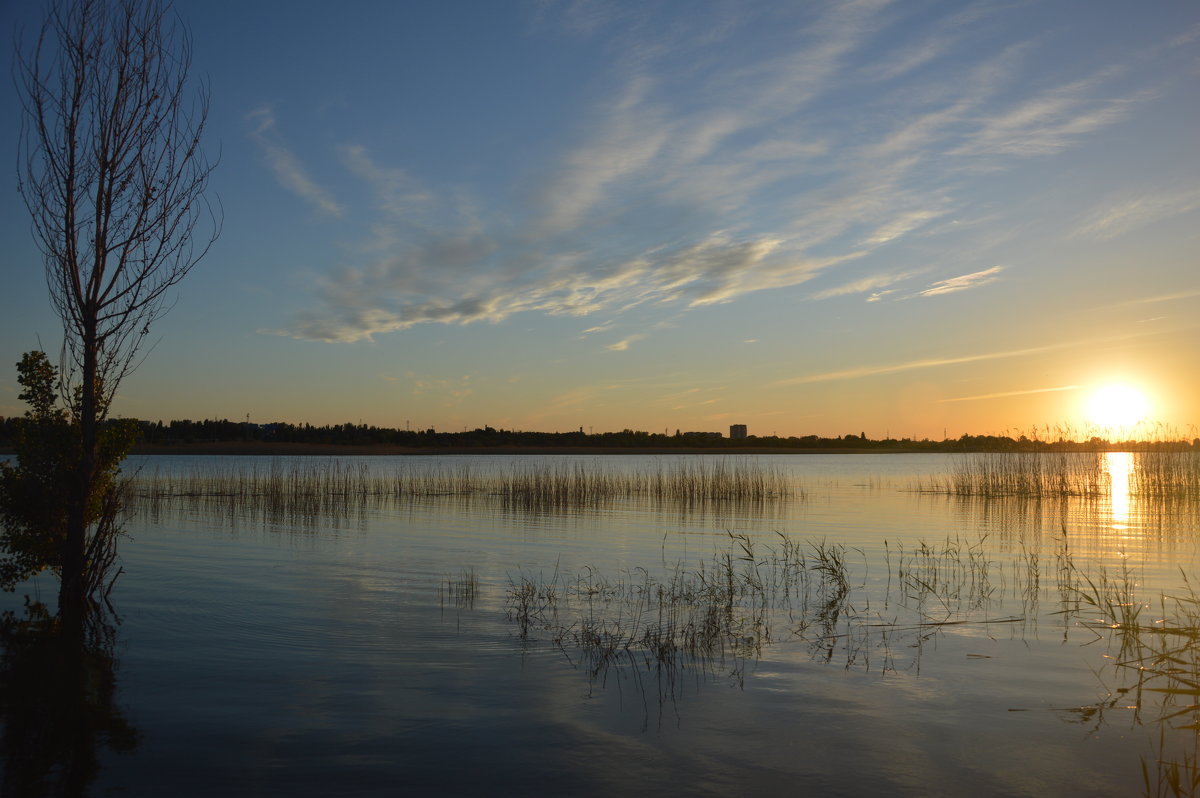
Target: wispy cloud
[451, 391]
[287, 168]
[397, 192]
[962, 282]
[939, 38]
[903, 224]
[623, 344]
[590, 397]
[906, 60]
[399, 293]
[700, 173]
[1186, 294]
[1116, 218]
[1048, 122]
[632, 133]
[581, 17]
[1187, 37]
[912, 365]
[865, 284]
[1003, 394]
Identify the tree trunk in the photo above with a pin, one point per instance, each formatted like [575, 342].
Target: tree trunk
[72, 595]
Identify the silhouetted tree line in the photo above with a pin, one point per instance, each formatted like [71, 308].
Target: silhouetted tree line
[184, 432]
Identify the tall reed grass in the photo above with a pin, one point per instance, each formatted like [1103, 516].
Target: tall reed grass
[1167, 475]
[1157, 666]
[723, 611]
[751, 594]
[1156, 474]
[716, 617]
[1031, 474]
[317, 488]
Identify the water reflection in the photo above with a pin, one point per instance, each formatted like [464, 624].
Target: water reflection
[1153, 675]
[57, 696]
[1119, 468]
[617, 606]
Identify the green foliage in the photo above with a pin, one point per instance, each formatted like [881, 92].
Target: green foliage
[33, 506]
[37, 376]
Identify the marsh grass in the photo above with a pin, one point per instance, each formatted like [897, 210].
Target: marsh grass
[1167, 475]
[460, 591]
[1026, 474]
[718, 616]
[1156, 668]
[304, 491]
[955, 573]
[715, 616]
[699, 613]
[1155, 475]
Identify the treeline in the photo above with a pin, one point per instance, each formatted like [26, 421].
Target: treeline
[183, 433]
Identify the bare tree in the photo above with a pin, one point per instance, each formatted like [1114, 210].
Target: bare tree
[114, 177]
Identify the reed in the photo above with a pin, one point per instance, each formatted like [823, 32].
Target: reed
[1174, 777]
[715, 617]
[749, 595]
[1162, 647]
[1027, 474]
[704, 617]
[1169, 475]
[293, 491]
[460, 591]
[1159, 656]
[955, 572]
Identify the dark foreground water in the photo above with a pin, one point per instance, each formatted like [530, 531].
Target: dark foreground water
[382, 647]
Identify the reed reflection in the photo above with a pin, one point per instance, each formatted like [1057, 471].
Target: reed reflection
[1153, 675]
[663, 628]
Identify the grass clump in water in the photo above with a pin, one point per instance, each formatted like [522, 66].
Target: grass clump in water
[460, 591]
[330, 487]
[1172, 475]
[747, 596]
[1027, 474]
[1157, 665]
[1167, 475]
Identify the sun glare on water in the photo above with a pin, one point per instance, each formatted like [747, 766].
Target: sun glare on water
[1117, 405]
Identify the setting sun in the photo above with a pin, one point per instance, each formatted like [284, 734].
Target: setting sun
[1117, 405]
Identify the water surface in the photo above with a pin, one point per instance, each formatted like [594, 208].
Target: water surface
[269, 652]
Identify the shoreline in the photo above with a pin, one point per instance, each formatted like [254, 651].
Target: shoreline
[258, 448]
[288, 449]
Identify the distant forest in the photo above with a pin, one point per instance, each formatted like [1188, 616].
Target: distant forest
[185, 433]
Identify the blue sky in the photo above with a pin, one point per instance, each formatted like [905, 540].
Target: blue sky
[905, 218]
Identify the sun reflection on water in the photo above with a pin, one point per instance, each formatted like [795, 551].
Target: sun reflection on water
[1119, 466]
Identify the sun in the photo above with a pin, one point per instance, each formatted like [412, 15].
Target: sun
[1117, 405]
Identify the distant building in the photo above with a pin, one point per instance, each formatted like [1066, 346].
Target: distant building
[737, 431]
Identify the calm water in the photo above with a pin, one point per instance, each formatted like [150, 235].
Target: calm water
[265, 653]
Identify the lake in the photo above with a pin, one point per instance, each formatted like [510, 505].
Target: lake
[848, 630]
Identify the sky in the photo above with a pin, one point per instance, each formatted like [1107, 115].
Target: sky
[907, 219]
